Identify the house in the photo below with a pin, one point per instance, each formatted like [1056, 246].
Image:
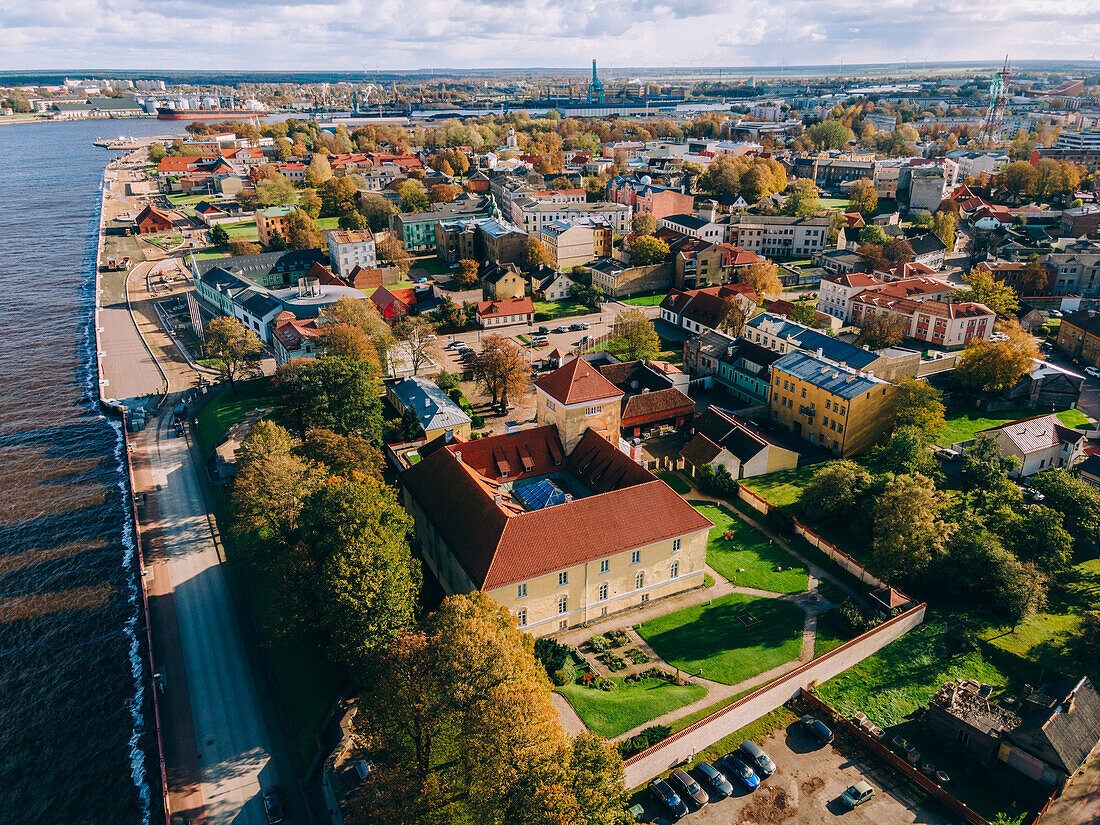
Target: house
[1039, 443]
[350, 249]
[837, 408]
[644, 196]
[293, 337]
[576, 398]
[702, 310]
[395, 304]
[947, 325]
[1046, 385]
[553, 286]
[272, 221]
[1047, 735]
[437, 413]
[928, 250]
[653, 397]
[722, 439]
[1089, 470]
[744, 371]
[1080, 221]
[568, 244]
[151, 220]
[502, 281]
[701, 353]
[835, 293]
[702, 263]
[695, 226]
[558, 536]
[505, 312]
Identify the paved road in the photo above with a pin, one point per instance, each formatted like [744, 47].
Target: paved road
[233, 744]
[128, 369]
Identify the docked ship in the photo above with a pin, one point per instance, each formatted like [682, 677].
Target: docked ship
[207, 114]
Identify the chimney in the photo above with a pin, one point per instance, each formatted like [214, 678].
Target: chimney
[496, 497]
[458, 455]
[820, 352]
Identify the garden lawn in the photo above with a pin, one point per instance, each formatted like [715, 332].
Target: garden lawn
[242, 231]
[178, 199]
[231, 407]
[328, 223]
[782, 488]
[644, 301]
[611, 713]
[672, 479]
[750, 550]
[711, 640]
[210, 255]
[561, 309]
[964, 423]
[834, 203]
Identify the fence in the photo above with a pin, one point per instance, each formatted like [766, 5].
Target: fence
[682, 746]
[752, 499]
[921, 780]
[842, 559]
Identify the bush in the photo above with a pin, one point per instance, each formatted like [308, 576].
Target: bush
[716, 482]
[636, 656]
[598, 644]
[780, 521]
[708, 580]
[446, 381]
[455, 394]
[614, 663]
[552, 654]
[561, 677]
[852, 618]
[617, 638]
[605, 684]
[646, 739]
[587, 678]
[543, 316]
[476, 421]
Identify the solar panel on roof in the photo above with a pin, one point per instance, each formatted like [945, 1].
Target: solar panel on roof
[540, 494]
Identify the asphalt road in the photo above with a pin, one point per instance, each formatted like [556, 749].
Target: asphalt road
[234, 747]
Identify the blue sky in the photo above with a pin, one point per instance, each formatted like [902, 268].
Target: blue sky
[413, 34]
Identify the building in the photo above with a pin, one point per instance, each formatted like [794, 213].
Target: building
[701, 353]
[577, 398]
[1039, 443]
[652, 399]
[533, 215]
[695, 226]
[1047, 736]
[923, 184]
[1079, 336]
[437, 413]
[503, 281]
[1076, 223]
[835, 293]
[619, 280]
[947, 325]
[1084, 140]
[839, 409]
[744, 372]
[706, 309]
[349, 249]
[1046, 385]
[552, 286]
[506, 312]
[778, 237]
[151, 220]
[838, 292]
[723, 439]
[557, 536]
[701, 263]
[273, 221]
[567, 244]
[293, 337]
[643, 196]
[1089, 470]
[393, 304]
[1075, 268]
[928, 250]
[417, 229]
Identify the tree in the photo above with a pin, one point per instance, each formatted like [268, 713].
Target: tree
[873, 235]
[1037, 535]
[302, 232]
[267, 498]
[332, 393]
[365, 578]
[802, 199]
[995, 366]
[534, 254]
[501, 369]
[363, 315]
[276, 243]
[219, 236]
[444, 193]
[318, 171]
[908, 530]
[377, 210]
[804, 312]
[763, 277]
[918, 404]
[879, 331]
[390, 249]
[236, 348]
[416, 335]
[1078, 503]
[1017, 180]
[733, 317]
[448, 314]
[597, 781]
[347, 341]
[1033, 278]
[985, 289]
[156, 152]
[646, 250]
[276, 191]
[643, 223]
[339, 196]
[347, 456]
[414, 198]
[633, 336]
[352, 221]
[468, 275]
[830, 134]
[836, 493]
[862, 197]
[237, 248]
[906, 453]
[945, 226]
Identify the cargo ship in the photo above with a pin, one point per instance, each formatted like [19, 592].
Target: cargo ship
[207, 114]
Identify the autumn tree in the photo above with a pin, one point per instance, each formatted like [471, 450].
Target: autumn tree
[985, 289]
[267, 497]
[302, 232]
[534, 254]
[414, 198]
[918, 404]
[391, 250]
[733, 317]
[995, 366]
[763, 277]
[444, 193]
[1017, 180]
[347, 341]
[363, 315]
[1033, 279]
[310, 202]
[416, 337]
[332, 393]
[643, 223]
[945, 226]
[468, 275]
[646, 250]
[347, 456]
[235, 348]
[862, 197]
[377, 210]
[501, 369]
[802, 199]
[237, 248]
[908, 529]
[633, 336]
[318, 171]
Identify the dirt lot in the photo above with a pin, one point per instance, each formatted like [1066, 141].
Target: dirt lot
[805, 788]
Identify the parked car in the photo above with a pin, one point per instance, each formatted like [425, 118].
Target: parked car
[273, 806]
[455, 345]
[668, 797]
[715, 780]
[1093, 371]
[817, 729]
[544, 330]
[738, 769]
[686, 786]
[559, 330]
[857, 795]
[575, 327]
[583, 325]
[757, 759]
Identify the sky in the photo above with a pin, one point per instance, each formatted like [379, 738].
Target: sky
[377, 35]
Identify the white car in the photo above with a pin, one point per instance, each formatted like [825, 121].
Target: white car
[1093, 371]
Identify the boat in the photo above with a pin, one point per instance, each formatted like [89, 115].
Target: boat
[117, 144]
[207, 114]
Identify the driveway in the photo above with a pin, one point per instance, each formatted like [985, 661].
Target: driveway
[805, 787]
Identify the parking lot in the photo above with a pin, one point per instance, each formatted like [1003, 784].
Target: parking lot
[805, 789]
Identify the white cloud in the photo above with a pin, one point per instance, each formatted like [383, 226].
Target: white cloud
[391, 34]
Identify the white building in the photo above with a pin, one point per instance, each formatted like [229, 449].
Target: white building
[347, 250]
[1038, 443]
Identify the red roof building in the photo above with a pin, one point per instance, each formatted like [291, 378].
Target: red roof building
[393, 305]
[505, 312]
[151, 219]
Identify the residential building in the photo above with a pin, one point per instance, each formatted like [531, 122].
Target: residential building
[1075, 268]
[393, 304]
[778, 237]
[837, 292]
[417, 229]
[272, 221]
[929, 250]
[974, 164]
[499, 242]
[567, 244]
[619, 280]
[651, 399]
[1076, 223]
[152, 219]
[293, 337]
[1089, 470]
[783, 335]
[1079, 336]
[506, 312]
[1046, 385]
[643, 196]
[1039, 443]
[723, 439]
[695, 226]
[349, 249]
[437, 413]
[553, 286]
[948, 325]
[924, 183]
[1086, 139]
[833, 173]
[1083, 156]
[701, 353]
[830, 405]
[702, 263]
[503, 281]
[557, 536]
[702, 310]
[533, 215]
[744, 371]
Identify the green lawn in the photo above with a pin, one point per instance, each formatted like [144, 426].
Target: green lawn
[644, 301]
[210, 255]
[230, 408]
[673, 480]
[713, 640]
[783, 487]
[834, 203]
[179, 199]
[828, 636]
[751, 551]
[242, 231]
[328, 223]
[610, 713]
[561, 309]
[963, 423]
[431, 266]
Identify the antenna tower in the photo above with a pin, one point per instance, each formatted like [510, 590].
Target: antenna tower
[998, 98]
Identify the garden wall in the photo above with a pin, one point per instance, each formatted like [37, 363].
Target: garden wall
[682, 746]
[842, 559]
[752, 499]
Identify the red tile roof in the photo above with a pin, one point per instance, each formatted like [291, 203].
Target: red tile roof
[537, 451]
[506, 307]
[658, 405]
[577, 382]
[169, 165]
[1038, 432]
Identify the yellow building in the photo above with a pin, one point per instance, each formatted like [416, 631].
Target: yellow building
[270, 221]
[558, 538]
[832, 406]
[576, 398]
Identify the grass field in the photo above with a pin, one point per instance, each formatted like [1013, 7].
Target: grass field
[749, 550]
[713, 640]
[230, 408]
[644, 301]
[562, 309]
[242, 231]
[784, 487]
[834, 203]
[610, 713]
[179, 200]
[963, 424]
[206, 256]
[674, 481]
[328, 223]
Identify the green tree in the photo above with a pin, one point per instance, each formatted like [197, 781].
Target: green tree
[647, 250]
[339, 196]
[802, 199]
[643, 223]
[377, 210]
[310, 202]
[985, 289]
[918, 404]
[836, 493]
[1037, 535]
[633, 336]
[333, 393]
[448, 314]
[414, 198]
[352, 221]
[235, 347]
[873, 234]
[908, 529]
[156, 152]
[906, 453]
[219, 236]
[1078, 503]
[830, 134]
[804, 312]
[276, 191]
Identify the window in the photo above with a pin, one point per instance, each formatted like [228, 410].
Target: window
[593, 410]
[563, 578]
[676, 545]
[563, 624]
[639, 581]
[605, 565]
[674, 571]
[522, 616]
[636, 557]
[645, 598]
[563, 604]
[521, 591]
[963, 737]
[603, 592]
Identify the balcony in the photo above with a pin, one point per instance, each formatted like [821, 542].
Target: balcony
[809, 411]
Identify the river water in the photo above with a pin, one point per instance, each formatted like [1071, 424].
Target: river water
[72, 685]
